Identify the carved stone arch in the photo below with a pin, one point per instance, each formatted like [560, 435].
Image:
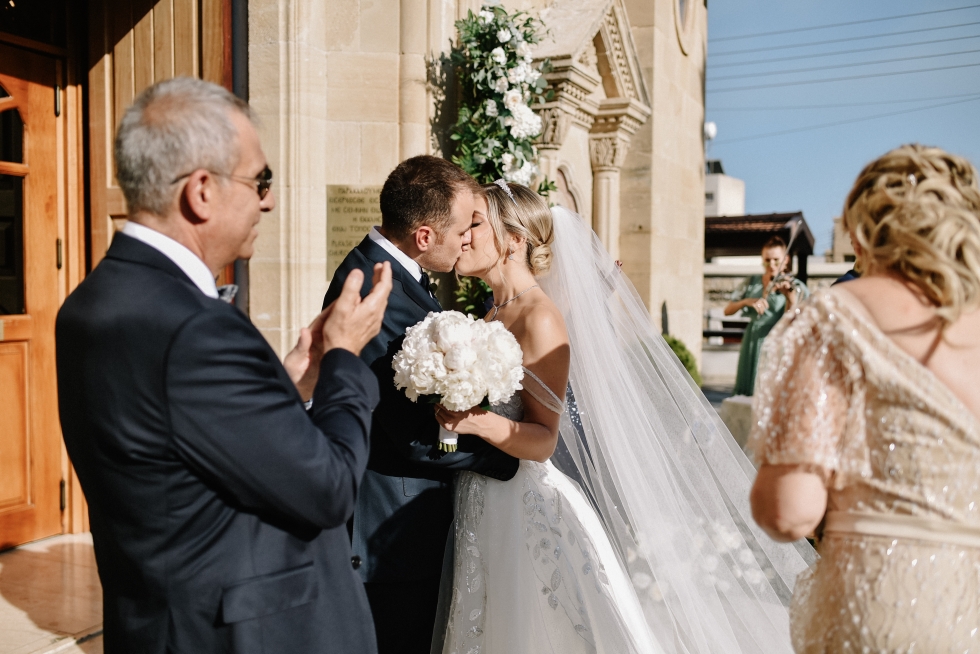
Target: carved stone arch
[565, 180]
[683, 22]
[600, 96]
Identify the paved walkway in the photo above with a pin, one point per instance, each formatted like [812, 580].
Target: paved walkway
[50, 598]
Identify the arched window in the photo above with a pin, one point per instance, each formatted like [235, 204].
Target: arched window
[11, 136]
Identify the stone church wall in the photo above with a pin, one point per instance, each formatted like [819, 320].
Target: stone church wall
[348, 88]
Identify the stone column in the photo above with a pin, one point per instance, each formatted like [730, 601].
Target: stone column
[287, 88]
[607, 151]
[413, 100]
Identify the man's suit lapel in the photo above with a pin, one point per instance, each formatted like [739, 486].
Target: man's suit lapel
[413, 289]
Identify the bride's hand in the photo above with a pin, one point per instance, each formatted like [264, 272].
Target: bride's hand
[461, 422]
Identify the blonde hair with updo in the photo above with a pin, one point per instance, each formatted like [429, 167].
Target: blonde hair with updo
[525, 216]
[915, 211]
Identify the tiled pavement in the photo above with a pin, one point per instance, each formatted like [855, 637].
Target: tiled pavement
[50, 598]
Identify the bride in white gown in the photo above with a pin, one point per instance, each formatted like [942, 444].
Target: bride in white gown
[627, 527]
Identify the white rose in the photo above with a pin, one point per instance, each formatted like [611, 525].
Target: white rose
[518, 73]
[498, 55]
[491, 109]
[500, 85]
[512, 99]
[504, 35]
[486, 17]
[523, 50]
[508, 159]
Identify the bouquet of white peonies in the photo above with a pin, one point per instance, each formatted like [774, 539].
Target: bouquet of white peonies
[459, 362]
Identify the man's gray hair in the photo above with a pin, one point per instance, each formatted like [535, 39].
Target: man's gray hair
[172, 129]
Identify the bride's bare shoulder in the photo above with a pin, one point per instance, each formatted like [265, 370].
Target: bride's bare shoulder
[544, 328]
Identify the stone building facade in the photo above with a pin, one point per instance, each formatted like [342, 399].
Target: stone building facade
[348, 88]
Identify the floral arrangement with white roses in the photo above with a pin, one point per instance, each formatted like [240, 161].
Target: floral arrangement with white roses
[459, 362]
[496, 126]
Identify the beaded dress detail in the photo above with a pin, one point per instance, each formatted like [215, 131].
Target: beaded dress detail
[902, 457]
[534, 570]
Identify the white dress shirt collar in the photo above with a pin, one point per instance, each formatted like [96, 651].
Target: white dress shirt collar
[186, 260]
[407, 262]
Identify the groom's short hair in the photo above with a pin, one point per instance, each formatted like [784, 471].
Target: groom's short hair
[420, 191]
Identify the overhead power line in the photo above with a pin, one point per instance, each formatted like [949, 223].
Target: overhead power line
[845, 39]
[842, 52]
[839, 79]
[842, 122]
[843, 105]
[852, 22]
[770, 73]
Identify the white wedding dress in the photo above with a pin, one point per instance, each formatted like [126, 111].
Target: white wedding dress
[534, 569]
[646, 543]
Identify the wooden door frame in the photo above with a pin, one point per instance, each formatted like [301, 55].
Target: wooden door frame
[70, 207]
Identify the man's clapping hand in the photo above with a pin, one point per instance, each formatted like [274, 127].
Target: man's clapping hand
[348, 323]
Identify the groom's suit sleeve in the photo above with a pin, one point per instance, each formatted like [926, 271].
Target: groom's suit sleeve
[238, 422]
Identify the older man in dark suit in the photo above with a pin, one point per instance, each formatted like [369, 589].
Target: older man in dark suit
[217, 501]
[404, 510]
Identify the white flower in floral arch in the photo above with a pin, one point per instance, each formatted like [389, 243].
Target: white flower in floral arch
[518, 73]
[513, 99]
[486, 17]
[500, 85]
[522, 175]
[504, 35]
[524, 51]
[491, 109]
[498, 55]
[523, 122]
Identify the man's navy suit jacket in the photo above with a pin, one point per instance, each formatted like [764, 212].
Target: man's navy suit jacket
[217, 504]
[404, 505]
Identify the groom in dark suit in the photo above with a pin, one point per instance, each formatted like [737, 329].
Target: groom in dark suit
[218, 503]
[404, 507]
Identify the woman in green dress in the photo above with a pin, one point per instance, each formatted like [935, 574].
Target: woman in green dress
[763, 312]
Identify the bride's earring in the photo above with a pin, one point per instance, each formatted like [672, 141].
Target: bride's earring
[510, 255]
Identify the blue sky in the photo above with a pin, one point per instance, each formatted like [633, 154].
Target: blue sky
[813, 169]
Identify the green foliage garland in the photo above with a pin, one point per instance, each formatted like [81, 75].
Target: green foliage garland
[496, 127]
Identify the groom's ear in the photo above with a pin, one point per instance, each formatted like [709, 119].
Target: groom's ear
[425, 238]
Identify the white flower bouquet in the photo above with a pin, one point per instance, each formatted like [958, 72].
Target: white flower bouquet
[459, 362]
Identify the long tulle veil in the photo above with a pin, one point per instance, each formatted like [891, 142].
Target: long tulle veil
[665, 475]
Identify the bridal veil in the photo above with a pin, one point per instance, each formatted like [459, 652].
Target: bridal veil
[666, 478]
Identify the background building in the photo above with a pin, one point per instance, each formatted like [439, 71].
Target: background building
[723, 195]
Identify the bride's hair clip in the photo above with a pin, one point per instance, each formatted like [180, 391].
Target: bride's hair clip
[502, 184]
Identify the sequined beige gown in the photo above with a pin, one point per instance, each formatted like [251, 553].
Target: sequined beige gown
[900, 553]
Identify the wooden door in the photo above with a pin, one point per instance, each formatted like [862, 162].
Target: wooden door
[133, 44]
[30, 435]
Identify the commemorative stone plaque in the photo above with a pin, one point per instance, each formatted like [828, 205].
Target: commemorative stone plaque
[351, 212]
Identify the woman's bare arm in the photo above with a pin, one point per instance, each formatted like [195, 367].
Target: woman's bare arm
[788, 501]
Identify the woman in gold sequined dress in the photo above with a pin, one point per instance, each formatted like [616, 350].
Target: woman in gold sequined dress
[868, 421]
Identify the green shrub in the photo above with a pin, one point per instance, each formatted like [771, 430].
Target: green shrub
[685, 356]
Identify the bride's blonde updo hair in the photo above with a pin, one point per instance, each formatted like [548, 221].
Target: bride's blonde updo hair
[525, 214]
[916, 212]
